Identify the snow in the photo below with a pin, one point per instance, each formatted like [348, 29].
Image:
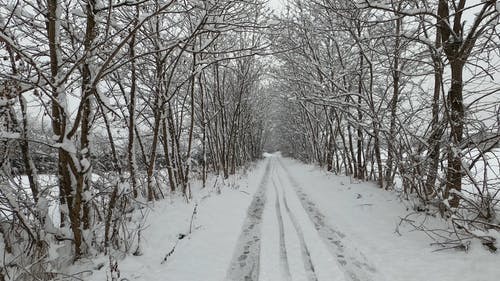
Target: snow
[303, 206]
[85, 164]
[325, 267]
[369, 216]
[203, 255]
[9, 135]
[66, 145]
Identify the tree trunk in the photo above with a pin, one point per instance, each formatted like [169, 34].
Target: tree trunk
[88, 92]
[131, 155]
[436, 131]
[393, 107]
[456, 115]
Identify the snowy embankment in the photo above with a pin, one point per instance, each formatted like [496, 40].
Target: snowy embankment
[313, 226]
[370, 218]
[205, 254]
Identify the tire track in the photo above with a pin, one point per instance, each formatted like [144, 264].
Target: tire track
[245, 263]
[285, 266]
[306, 255]
[354, 263]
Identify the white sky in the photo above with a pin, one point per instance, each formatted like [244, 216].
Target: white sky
[276, 4]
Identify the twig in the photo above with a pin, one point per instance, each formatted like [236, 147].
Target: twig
[195, 211]
[181, 236]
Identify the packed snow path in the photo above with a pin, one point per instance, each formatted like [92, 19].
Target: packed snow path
[245, 265]
[294, 227]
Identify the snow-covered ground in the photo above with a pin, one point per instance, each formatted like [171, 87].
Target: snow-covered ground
[289, 221]
[369, 217]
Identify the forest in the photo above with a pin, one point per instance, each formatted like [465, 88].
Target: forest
[108, 106]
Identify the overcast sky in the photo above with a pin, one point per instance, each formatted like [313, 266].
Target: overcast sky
[276, 4]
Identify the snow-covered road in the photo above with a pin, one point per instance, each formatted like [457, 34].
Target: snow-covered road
[286, 221]
[285, 237]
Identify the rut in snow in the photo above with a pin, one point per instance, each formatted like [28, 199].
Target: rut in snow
[285, 267]
[306, 255]
[245, 263]
[353, 262]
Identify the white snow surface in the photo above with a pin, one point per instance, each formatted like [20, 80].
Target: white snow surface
[363, 218]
